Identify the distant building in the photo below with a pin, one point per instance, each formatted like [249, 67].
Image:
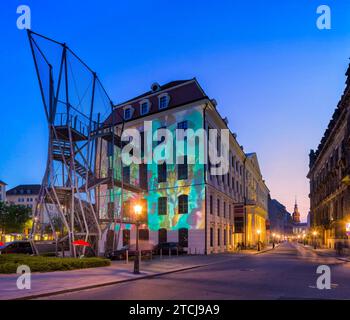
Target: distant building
[296, 213]
[300, 228]
[27, 195]
[2, 191]
[24, 195]
[280, 219]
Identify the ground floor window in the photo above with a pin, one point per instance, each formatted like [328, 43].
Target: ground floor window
[225, 237]
[162, 235]
[219, 237]
[211, 237]
[144, 234]
[183, 237]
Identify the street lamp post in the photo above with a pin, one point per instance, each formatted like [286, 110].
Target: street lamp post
[315, 243]
[258, 232]
[138, 210]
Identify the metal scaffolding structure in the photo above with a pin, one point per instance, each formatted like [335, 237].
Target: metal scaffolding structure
[76, 105]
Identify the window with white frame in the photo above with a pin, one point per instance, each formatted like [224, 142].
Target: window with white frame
[128, 111]
[163, 101]
[144, 107]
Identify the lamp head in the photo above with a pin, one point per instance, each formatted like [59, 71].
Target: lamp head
[137, 209]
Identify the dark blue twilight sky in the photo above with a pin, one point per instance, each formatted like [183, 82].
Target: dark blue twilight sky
[274, 74]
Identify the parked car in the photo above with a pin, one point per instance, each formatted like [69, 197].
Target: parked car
[146, 250]
[23, 247]
[173, 247]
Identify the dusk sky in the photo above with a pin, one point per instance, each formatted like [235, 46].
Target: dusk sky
[275, 76]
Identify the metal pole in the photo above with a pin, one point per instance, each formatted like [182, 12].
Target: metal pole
[137, 257]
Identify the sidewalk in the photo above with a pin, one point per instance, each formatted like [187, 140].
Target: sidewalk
[329, 253]
[65, 281]
[49, 283]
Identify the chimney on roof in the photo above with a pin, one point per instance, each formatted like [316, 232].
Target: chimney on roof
[214, 102]
[226, 121]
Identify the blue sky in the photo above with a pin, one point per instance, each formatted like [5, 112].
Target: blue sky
[274, 74]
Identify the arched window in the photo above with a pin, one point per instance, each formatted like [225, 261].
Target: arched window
[183, 204]
[162, 235]
[183, 237]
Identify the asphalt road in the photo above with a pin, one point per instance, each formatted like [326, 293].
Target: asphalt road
[288, 272]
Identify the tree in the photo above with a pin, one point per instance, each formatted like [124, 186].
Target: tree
[13, 218]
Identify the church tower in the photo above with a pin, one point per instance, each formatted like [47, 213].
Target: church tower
[296, 213]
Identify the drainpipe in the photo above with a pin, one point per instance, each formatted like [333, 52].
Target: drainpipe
[205, 188]
[244, 204]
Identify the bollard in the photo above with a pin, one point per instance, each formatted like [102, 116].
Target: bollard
[127, 257]
[169, 252]
[161, 253]
[177, 251]
[151, 254]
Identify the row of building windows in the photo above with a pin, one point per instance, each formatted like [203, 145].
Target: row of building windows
[182, 205]
[162, 236]
[21, 200]
[145, 106]
[219, 238]
[162, 206]
[220, 212]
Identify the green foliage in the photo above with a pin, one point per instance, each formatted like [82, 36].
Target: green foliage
[13, 218]
[10, 262]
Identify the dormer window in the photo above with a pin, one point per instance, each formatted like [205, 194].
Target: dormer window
[144, 107]
[128, 111]
[163, 101]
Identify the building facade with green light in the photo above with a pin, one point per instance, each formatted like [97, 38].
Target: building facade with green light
[182, 201]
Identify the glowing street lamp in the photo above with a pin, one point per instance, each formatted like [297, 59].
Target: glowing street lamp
[138, 211]
[258, 232]
[347, 228]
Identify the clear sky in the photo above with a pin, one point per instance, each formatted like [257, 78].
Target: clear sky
[274, 74]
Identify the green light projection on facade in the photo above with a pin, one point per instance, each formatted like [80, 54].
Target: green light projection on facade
[193, 186]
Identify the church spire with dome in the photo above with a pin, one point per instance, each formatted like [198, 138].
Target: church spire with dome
[296, 213]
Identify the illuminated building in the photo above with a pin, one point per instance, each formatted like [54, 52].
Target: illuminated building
[184, 203]
[27, 195]
[329, 176]
[2, 191]
[256, 202]
[278, 217]
[296, 213]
